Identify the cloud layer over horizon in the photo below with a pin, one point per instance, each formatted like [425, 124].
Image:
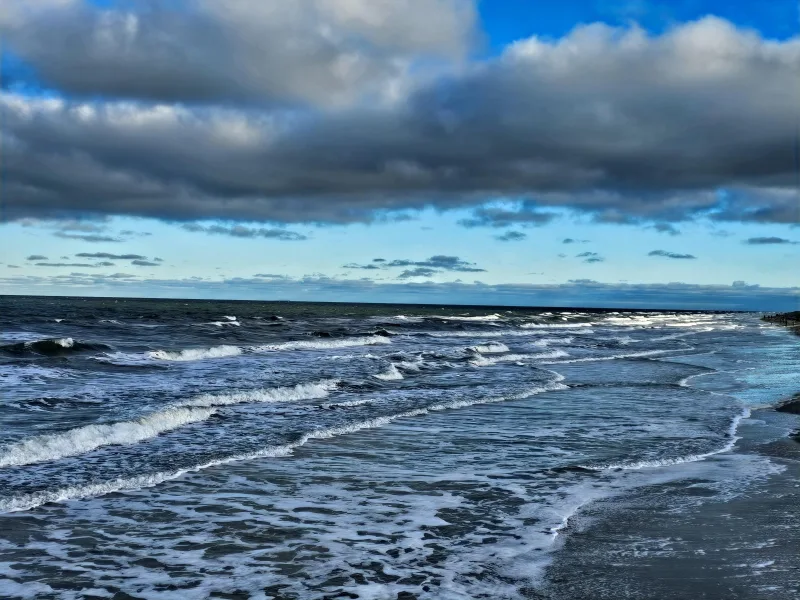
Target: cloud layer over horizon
[364, 108]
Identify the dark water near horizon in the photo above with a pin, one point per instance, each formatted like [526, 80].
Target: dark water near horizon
[177, 449]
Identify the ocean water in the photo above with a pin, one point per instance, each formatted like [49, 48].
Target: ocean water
[201, 449]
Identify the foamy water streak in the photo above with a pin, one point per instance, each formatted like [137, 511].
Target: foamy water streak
[668, 462]
[613, 357]
[90, 437]
[29, 501]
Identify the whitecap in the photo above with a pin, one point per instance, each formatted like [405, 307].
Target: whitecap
[191, 354]
[302, 391]
[391, 374]
[323, 344]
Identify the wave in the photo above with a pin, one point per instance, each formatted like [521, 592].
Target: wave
[28, 501]
[391, 374]
[669, 462]
[51, 347]
[494, 317]
[371, 340]
[499, 333]
[482, 361]
[615, 356]
[223, 323]
[555, 325]
[190, 354]
[229, 317]
[302, 391]
[81, 440]
[490, 348]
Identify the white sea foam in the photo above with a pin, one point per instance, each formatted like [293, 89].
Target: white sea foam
[230, 318]
[85, 439]
[490, 348]
[302, 391]
[190, 354]
[32, 500]
[224, 323]
[324, 344]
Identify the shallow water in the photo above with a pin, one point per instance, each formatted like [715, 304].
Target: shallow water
[194, 449]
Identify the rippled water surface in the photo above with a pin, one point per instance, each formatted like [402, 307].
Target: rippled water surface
[195, 449]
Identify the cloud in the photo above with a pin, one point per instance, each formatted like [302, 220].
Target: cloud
[666, 254]
[525, 215]
[764, 241]
[240, 231]
[89, 237]
[440, 261]
[84, 265]
[145, 263]
[638, 146]
[433, 264]
[511, 236]
[111, 256]
[574, 241]
[36, 257]
[418, 272]
[308, 52]
[591, 257]
[578, 293]
[666, 228]
[371, 267]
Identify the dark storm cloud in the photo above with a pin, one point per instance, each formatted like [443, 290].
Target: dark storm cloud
[36, 257]
[111, 256]
[418, 272]
[764, 241]
[511, 236]
[615, 124]
[666, 254]
[240, 231]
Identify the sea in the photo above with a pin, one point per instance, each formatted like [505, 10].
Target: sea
[192, 449]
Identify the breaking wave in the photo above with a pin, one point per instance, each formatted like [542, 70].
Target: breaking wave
[81, 440]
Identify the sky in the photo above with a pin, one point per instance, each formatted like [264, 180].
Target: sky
[610, 153]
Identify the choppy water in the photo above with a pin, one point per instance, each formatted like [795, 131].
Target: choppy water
[187, 449]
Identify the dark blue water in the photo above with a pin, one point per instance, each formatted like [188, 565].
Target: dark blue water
[185, 449]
